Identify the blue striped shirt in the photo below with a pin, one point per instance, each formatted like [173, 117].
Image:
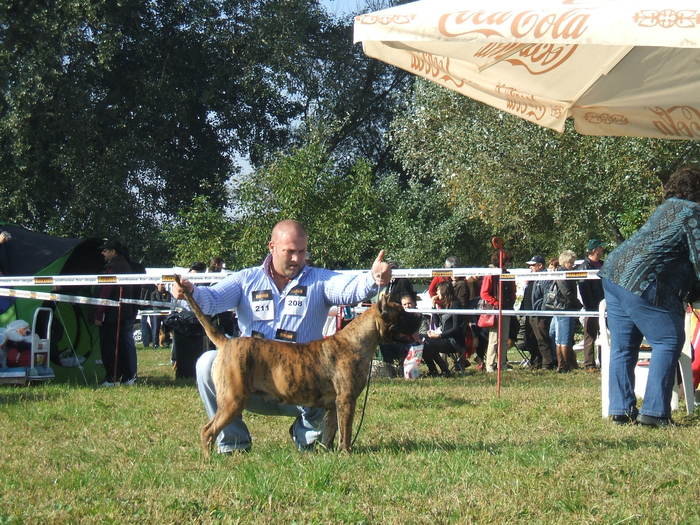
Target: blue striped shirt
[296, 313]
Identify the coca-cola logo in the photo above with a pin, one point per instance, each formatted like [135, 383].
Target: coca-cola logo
[434, 66]
[677, 121]
[610, 119]
[537, 59]
[567, 25]
[522, 104]
[371, 19]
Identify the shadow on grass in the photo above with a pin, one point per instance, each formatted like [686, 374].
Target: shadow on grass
[506, 448]
[27, 394]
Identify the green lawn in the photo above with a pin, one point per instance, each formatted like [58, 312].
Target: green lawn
[430, 451]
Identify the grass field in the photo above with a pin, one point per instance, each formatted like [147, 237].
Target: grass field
[430, 451]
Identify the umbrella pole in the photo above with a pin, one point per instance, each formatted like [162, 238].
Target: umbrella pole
[500, 324]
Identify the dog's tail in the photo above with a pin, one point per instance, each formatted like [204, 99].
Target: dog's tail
[212, 332]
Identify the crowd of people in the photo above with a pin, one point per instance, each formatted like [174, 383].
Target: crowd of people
[547, 340]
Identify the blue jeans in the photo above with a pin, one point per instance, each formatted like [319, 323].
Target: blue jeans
[146, 331]
[565, 327]
[630, 318]
[306, 430]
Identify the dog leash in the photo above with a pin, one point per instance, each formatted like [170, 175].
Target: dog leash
[369, 376]
[364, 405]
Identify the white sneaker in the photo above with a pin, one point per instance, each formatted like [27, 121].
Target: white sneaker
[129, 382]
[105, 384]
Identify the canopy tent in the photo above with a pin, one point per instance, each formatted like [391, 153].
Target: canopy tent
[74, 339]
[617, 67]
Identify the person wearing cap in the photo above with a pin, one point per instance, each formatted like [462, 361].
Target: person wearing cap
[591, 291]
[540, 324]
[112, 322]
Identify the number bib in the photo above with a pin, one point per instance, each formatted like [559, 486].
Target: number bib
[295, 302]
[262, 305]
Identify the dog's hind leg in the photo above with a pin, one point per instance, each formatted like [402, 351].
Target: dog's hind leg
[225, 413]
[330, 426]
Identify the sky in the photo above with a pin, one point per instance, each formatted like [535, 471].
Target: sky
[345, 7]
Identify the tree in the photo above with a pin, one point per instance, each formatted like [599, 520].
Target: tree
[540, 190]
[201, 232]
[113, 116]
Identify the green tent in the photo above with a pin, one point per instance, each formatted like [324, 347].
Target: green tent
[74, 339]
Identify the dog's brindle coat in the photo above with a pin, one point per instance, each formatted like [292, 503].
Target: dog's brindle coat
[328, 373]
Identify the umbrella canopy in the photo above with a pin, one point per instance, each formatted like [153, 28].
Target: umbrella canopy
[617, 67]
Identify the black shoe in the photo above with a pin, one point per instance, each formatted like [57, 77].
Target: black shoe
[653, 421]
[624, 419]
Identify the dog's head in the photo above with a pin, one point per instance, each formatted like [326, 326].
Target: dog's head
[396, 322]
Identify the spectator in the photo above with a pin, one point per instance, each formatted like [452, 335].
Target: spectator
[159, 295]
[267, 287]
[397, 350]
[450, 262]
[591, 291]
[542, 355]
[116, 326]
[5, 237]
[565, 326]
[489, 294]
[399, 287]
[148, 334]
[447, 337]
[216, 264]
[646, 280]
[189, 340]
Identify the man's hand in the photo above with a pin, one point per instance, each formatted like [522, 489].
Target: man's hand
[381, 271]
[177, 288]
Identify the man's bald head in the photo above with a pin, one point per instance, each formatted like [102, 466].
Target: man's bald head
[287, 228]
[288, 245]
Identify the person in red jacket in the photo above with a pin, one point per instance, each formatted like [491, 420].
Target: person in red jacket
[489, 294]
[450, 262]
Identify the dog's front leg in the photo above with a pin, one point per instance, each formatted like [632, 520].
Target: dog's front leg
[330, 426]
[345, 405]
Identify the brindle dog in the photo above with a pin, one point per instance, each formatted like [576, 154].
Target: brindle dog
[328, 373]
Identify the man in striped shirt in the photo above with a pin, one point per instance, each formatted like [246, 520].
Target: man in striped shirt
[286, 300]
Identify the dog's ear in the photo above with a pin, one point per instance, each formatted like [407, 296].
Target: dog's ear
[382, 302]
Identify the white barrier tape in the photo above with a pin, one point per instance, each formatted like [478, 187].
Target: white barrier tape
[91, 280]
[519, 313]
[516, 274]
[61, 298]
[140, 278]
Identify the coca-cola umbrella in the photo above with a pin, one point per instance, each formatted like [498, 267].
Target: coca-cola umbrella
[617, 67]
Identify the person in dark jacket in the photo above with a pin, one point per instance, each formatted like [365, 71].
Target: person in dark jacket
[646, 281]
[116, 324]
[542, 357]
[591, 291]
